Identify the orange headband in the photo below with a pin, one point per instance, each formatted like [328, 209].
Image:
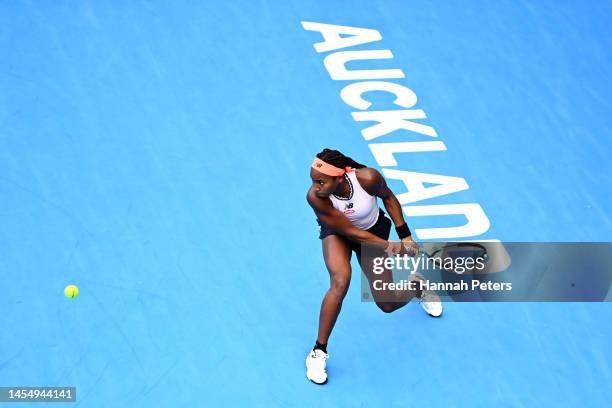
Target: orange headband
[328, 169]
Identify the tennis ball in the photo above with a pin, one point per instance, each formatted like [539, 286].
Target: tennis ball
[71, 291]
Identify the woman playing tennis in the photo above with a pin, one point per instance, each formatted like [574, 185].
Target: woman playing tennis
[343, 196]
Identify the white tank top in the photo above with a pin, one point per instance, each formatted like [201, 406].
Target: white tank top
[360, 207]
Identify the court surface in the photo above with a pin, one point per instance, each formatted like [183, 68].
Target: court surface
[156, 154]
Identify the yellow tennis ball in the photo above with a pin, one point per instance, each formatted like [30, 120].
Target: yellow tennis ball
[71, 291]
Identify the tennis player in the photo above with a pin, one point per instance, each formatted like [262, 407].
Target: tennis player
[343, 196]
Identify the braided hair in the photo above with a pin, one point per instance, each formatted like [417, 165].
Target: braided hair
[337, 159]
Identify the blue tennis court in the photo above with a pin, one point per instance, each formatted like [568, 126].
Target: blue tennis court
[156, 155]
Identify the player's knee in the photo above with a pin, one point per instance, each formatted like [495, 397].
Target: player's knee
[385, 307]
[340, 286]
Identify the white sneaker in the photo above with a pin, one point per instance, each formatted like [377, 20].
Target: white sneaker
[315, 366]
[429, 300]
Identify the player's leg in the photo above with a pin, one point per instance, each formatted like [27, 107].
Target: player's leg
[388, 300]
[337, 255]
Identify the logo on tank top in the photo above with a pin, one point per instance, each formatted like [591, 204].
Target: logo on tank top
[348, 208]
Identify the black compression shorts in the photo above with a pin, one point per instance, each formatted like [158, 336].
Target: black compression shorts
[381, 229]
